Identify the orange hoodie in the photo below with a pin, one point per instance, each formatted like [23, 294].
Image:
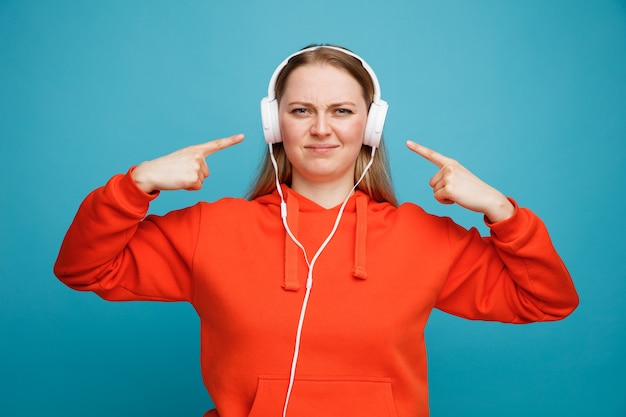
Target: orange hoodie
[362, 349]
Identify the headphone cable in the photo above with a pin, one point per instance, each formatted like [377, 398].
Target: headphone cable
[310, 264]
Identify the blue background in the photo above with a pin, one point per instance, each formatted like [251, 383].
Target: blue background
[530, 95]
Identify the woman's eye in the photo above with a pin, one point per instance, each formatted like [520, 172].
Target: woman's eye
[299, 111]
[343, 111]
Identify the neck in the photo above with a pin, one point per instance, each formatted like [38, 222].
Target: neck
[325, 194]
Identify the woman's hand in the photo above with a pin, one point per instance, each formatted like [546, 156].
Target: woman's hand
[455, 184]
[184, 169]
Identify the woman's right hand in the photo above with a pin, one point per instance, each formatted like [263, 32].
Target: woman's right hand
[185, 169]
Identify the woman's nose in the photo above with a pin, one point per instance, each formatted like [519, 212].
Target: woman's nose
[320, 126]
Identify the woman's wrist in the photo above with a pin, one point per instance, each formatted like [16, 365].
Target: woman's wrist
[502, 209]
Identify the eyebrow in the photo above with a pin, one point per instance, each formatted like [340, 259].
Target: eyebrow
[306, 103]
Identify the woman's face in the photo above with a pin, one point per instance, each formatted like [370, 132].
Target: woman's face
[322, 116]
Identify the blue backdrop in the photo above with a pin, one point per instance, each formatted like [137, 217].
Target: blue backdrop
[530, 95]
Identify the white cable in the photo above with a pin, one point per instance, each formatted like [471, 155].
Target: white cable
[311, 264]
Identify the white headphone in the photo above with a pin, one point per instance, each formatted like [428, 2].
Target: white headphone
[271, 129]
[375, 117]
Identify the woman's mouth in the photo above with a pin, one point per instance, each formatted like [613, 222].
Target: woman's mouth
[320, 149]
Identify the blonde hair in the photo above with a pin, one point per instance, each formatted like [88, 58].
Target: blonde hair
[377, 182]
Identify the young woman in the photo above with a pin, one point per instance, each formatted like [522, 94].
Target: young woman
[314, 292]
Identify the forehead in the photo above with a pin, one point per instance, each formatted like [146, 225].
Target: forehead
[316, 79]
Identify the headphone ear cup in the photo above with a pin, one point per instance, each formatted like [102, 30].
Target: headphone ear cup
[269, 118]
[375, 122]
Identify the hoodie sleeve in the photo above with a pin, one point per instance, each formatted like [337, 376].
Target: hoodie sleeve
[513, 276]
[112, 249]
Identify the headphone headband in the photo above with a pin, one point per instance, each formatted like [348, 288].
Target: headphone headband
[375, 118]
[271, 89]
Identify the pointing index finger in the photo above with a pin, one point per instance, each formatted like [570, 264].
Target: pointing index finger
[216, 145]
[428, 154]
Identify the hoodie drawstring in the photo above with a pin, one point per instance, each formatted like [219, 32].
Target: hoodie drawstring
[292, 251]
[360, 269]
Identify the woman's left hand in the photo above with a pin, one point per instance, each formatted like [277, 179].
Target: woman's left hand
[456, 184]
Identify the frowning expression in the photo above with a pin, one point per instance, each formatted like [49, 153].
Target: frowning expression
[322, 117]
